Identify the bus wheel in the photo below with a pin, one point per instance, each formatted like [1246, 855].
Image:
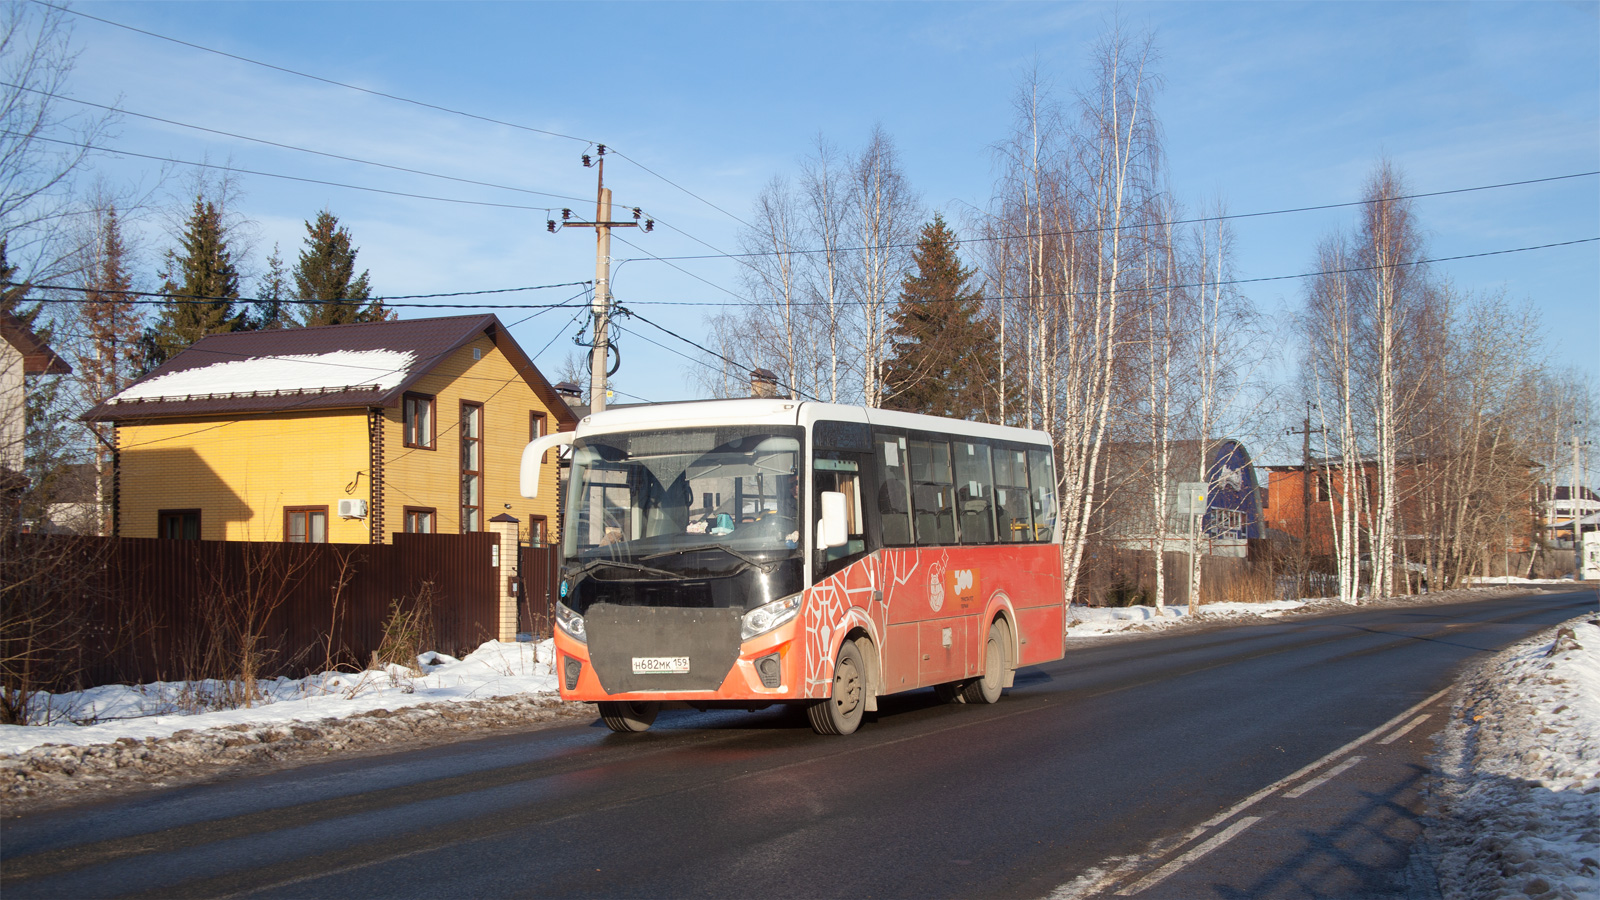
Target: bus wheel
[950, 691]
[996, 663]
[841, 712]
[624, 716]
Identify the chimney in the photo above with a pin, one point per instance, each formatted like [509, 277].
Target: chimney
[572, 396]
[763, 383]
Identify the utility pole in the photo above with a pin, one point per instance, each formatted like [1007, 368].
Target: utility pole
[1305, 499]
[599, 355]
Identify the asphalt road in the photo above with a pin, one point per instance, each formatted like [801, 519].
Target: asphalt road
[1279, 760]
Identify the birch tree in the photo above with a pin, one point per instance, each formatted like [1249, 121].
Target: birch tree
[882, 223]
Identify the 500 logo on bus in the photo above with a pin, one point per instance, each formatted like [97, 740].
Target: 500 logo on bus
[960, 584]
[964, 586]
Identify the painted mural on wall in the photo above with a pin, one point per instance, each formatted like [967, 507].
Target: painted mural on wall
[1233, 502]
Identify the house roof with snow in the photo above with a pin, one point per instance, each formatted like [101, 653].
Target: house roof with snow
[331, 367]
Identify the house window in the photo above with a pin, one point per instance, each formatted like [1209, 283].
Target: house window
[536, 425]
[179, 524]
[420, 428]
[471, 466]
[419, 520]
[305, 524]
[1265, 495]
[537, 534]
[1324, 488]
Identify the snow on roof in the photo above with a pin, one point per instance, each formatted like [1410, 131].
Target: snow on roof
[338, 370]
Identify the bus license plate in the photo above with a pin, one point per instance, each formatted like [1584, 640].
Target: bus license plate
[661, 665]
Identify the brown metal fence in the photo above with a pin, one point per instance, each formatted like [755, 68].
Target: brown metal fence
[141, 609]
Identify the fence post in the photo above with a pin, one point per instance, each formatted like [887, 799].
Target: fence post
[505, 525]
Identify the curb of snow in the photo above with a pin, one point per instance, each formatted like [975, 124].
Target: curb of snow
[1515, 805]
[1118, 621]
[56, 772]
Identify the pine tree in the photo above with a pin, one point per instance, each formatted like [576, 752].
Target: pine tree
[270, 311]
[941, 344]
[325, 279]
[202, 287]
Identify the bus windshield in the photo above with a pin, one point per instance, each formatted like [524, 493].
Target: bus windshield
[647, 496]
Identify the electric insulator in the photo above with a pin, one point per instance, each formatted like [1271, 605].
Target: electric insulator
[649, 224]
[586, 160]
[566, 214]
[551, 224]
[601, 149]
[636, 213]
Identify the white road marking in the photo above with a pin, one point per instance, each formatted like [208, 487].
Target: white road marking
[1406, 730]
[1090, 882]
[1272, 788]
[1323, 779]
[1217, 840]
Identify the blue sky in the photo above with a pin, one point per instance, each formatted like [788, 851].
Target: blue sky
[1264, 106]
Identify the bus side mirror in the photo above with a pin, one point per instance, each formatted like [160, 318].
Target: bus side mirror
[833, 531]
[533, 458]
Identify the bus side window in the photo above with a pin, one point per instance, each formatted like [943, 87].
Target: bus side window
[974, 493]
[1015, 519]
[1042, 469]
[840, 472]
[932, 499]
[894, 510]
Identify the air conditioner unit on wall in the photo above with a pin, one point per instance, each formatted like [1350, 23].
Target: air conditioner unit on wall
[353, 509]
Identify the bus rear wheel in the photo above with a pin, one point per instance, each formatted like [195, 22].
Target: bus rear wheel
[996, 663]
[841, 713]
[626, 716]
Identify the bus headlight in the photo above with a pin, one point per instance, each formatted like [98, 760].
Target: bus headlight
[763, 619]
[571, 623]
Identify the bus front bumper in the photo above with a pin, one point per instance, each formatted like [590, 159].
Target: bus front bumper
[577, 679]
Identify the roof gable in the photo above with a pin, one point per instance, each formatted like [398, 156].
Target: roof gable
[301, 369]
[37, 357]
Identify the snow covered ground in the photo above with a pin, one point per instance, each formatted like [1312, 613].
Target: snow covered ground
[160, 710]
[1516, 803]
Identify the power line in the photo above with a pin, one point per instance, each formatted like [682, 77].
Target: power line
[1130, 227]
[295, 72]
[1169, 287]
[163, 298]
[323, 153]
[681, 188]
[339, 184]
[704, 349]
[186, 298]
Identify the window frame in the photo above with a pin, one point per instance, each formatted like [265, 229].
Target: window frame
[410, 512]
[308, 511]
[478, 473]
[406, 421]
[164, 515]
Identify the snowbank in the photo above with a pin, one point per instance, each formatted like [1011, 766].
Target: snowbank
[160, 710]
[1517, 801]
[1093, 621]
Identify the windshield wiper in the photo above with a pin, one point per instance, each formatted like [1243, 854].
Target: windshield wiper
[765, 565]
[635, 567]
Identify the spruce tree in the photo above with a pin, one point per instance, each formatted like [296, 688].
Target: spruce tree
[325, 280]
[942, 345]
[271, 311]
[202, 288]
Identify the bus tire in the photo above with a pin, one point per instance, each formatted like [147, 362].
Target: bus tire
[950, 691]
[996, 663]
[627, 716]
[841, 712]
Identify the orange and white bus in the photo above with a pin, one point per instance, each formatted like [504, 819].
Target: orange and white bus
[740, 553]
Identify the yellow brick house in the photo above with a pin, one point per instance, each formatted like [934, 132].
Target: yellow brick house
[343, 434]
